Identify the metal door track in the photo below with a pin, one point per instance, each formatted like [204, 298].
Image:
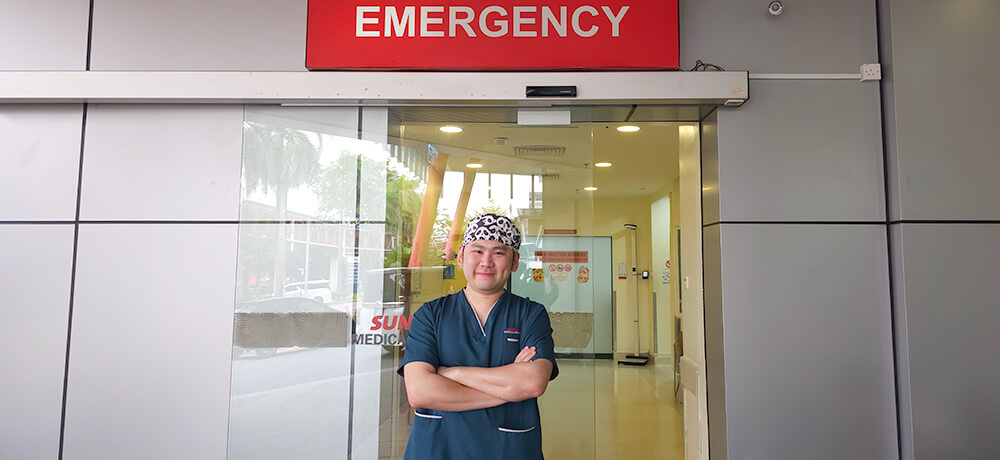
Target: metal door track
[635, 360]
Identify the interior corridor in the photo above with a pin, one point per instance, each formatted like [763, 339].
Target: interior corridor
[636, 415]
[630, 413]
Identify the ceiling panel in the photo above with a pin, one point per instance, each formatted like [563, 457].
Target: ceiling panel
[643, 162]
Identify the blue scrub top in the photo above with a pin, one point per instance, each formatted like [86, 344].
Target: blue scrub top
[446, 332]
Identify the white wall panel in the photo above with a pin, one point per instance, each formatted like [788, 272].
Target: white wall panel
[199, 35]
[802, 150]
[151, 347]
[49, 35]
[35, 270]
[162, 162]
[40, 154]
[808, 349]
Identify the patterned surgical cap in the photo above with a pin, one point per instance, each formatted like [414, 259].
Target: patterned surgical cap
[493, 227]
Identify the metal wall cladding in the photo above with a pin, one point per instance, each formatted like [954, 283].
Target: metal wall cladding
[941, 102]
[192, 35]
[162, 162]
[810, 37]
[44, 36]
[808, 356]
[35, 272]
[948, 331]
[152, 341]
[40, 154]
[802, 151]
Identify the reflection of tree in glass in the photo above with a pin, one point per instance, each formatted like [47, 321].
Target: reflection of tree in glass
[337, 187]
[278, 159]
[442, 225]
[491, 207]
[402, 199]
[402, 211]
[257, 254]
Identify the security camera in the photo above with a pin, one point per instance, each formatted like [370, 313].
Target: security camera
[775, 8]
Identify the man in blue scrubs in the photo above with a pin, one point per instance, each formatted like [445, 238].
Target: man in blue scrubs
[475, 361]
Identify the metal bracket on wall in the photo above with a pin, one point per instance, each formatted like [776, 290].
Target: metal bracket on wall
[867, 72]
[805, 76]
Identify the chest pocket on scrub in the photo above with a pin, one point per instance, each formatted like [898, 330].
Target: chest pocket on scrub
[511, 344]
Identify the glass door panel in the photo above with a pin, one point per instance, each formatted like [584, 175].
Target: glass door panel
[293, 375]
[537, 177]
[347, 230]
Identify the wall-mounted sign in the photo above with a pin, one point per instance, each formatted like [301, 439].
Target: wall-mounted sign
[492, 35]
[567, 257]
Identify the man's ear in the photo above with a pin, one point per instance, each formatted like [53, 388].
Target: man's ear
[461, 254]
[517, 259]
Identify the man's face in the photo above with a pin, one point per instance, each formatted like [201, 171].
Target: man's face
[487, 265]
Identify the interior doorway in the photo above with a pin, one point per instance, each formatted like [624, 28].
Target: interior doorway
[380, 215]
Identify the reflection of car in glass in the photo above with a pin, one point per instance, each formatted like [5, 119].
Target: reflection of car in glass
[318, 290]
[264, 327]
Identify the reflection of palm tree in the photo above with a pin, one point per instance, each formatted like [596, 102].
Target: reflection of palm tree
[278, 159]
[402, 198]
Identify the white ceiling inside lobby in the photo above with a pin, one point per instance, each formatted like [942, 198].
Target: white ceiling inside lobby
[643, 162]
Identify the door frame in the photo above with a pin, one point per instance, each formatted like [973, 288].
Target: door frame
[375, 88]
[706, 90]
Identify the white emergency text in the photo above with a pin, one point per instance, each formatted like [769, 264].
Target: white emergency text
[492, 21]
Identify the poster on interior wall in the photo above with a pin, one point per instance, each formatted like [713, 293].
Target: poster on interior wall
[492, 35]
[571, 276]
[564, 265]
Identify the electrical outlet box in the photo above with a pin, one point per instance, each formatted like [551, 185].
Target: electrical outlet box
[871, 72]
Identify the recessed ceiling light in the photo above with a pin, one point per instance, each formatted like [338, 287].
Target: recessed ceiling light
[451, 129]
[474, 163]
[603, 164]
[628, 129]
[590, 189]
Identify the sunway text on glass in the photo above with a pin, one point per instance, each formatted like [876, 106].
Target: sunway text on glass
[492, 21]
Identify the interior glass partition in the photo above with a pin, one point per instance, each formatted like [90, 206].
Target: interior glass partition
[351, 218]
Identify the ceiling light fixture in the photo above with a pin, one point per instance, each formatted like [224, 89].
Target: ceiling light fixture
[590, 189]
[628, 129]
[450, 129]
[474, 163]
[602, 164]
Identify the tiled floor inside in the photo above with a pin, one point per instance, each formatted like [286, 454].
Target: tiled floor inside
[597, 409]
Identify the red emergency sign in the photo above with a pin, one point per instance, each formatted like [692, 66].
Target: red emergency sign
[492, 35]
